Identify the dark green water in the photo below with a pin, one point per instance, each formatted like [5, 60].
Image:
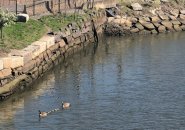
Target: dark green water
[127, 83]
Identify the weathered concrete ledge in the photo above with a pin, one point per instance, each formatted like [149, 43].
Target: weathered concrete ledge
[22, 67]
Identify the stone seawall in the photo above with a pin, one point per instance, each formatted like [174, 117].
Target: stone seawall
[22, 67]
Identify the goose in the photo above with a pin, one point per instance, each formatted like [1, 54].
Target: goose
[65, 105]
[42, 114]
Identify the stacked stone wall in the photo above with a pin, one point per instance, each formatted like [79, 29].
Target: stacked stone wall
[22, 67]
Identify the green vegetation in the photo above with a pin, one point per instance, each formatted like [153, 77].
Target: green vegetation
[56, 22]
[20, 35]
[6, 18]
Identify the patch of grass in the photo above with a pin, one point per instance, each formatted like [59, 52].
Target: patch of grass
[20, 35]
[56, 22]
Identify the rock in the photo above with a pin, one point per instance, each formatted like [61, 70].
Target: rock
[122, 21]
[22, 17]
[50, 40]
[177, 28]
[156, 24]
[161, 29]
[182, 16]
[110, 19]
[6, 62]
[1, 64]
[182, 21]
[155, 19]
[28, 66]
[34, 50]
[148, 25]
[157, 2]
[154, 31]
[182, 11]
[167, 24]
[117, 17]
[175, 13]
[172, 17]
[17, 61]
[42, 46]
[175, 22]
[182, 27]
[139, 26]
[116, 21]
[5, 73]
[163, 17]
[62, 43]
[142, 21]
[134, 30]
[136, 7]
[128, 23]
[134, 20]
[164, 1]
[147, 19]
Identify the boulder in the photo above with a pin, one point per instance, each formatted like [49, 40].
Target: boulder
[163, 16]
[117, 21]
[134, 30]
[155, 19]
[5, 73]
[50, 40]
[1, 64]
[161, 29]
[182, 11]
[122, 21]
[156, 24]
[167, 24]
[117, 17]
[182, 21]
[42, 46]
[142, 21]
[110, 19]
[136, 7]
[34, 50]
[175, 13]
[182, 27]
[17, 61]
[171, 17]
[6, 62]
[182, 16]
[62, 43]
[128, 23]
[175, 22]
[154, 31]
[164, 1]
[177, 28]
[148, 25]
[139, 26]
[22, 17]
[134, 20]
[147, 19]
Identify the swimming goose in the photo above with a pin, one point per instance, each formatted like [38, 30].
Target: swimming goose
[42, 114]
[65, 105]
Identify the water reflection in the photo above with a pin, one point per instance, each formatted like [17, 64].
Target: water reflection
[123, 83]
